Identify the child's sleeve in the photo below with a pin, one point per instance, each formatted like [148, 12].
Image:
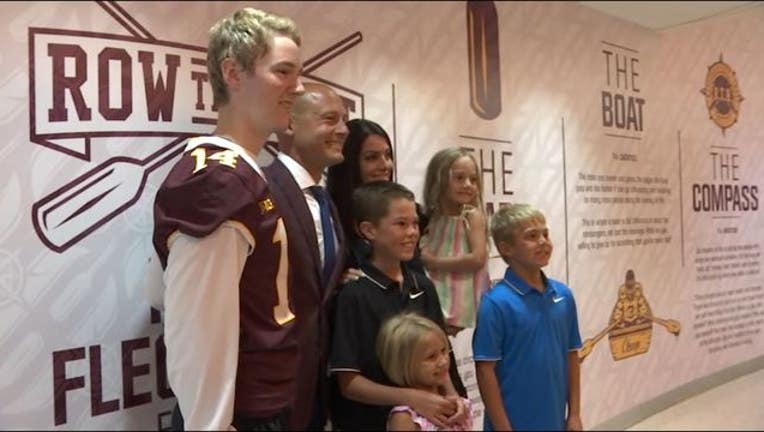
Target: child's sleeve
[488, 339]
[345, 343]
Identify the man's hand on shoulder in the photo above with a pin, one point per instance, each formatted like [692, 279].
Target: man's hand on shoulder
[433, 407]
[350, 275]
[462, 414]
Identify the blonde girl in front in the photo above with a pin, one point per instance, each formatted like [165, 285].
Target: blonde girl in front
[414, 353]
[455, 243]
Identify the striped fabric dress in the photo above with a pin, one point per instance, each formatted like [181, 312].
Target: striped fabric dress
[459, 293]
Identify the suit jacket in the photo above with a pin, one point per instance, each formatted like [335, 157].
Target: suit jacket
[310, 298]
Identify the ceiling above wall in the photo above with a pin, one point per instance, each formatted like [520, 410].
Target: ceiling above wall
[660, 15]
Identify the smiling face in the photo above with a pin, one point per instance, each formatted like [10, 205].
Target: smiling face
[430, 361]
[395, 235]
[375, 159]
[319, 128]
[270, 90]
[462, 186]
[529, 247]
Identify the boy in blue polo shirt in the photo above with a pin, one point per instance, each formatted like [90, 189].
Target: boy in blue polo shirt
[526, 339]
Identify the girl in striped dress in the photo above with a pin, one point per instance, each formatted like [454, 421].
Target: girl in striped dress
[455, 243]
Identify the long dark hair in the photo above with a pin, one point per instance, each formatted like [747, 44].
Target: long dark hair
[343, 178]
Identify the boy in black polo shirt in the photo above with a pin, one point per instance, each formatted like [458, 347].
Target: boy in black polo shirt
[385, 213]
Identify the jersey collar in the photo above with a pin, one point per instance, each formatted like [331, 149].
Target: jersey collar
[225, 143]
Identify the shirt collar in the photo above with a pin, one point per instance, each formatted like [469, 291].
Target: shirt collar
[300, 174]
[521, 287]
[381, 280]
[226, 144]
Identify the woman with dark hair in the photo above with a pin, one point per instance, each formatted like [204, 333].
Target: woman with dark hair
[368, 157]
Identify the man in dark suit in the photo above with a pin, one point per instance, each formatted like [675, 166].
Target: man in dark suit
[316, 241]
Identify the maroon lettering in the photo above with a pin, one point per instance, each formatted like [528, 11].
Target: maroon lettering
[126, 84]
[160, 95]
[491, 207]
[505, 172]
[491, 170]
[131, 371]
[156, 316]
[200, 78]
[61, 82]
[607, 109]
[62, 384]
[349, 107]
[164, 421]
[163, 384]
[97, 405]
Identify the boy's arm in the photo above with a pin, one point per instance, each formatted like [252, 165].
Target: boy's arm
[471, 261]
[491, 394]
[434, 407]
[574, 392]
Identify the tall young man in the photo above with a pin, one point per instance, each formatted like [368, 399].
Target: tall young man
[232, 350]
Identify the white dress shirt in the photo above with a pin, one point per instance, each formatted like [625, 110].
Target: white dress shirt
[305, 181]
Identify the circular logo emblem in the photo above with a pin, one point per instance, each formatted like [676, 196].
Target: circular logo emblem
[722, 94]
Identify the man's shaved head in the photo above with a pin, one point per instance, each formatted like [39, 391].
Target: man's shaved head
[314, 94]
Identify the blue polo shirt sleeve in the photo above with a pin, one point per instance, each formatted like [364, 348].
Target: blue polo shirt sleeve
[488, 338]
[574, 338]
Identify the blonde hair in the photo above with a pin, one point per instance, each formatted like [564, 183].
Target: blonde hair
[508, 218]
[396, 345]
[438, 175]
[244, 36]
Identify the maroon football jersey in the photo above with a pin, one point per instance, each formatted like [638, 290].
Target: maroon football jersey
[208, 186]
